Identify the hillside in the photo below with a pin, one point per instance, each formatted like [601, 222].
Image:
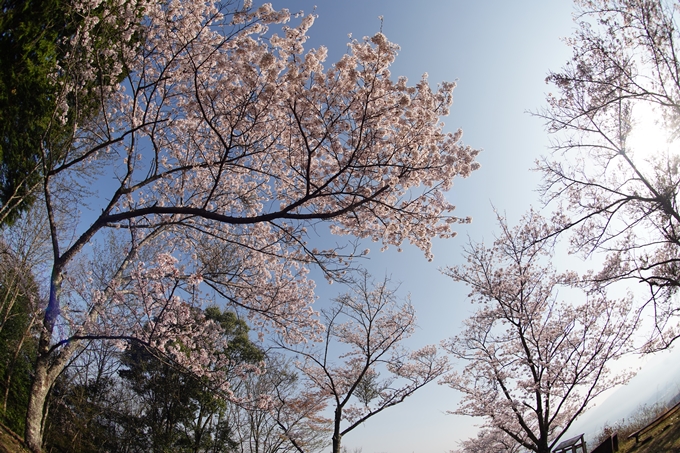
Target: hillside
[663, 439]
[9, 442]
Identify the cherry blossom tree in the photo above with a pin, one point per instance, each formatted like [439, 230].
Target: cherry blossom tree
[621, 191]
[293, 420]
[209, 164]
[490, 441]
[364, 330]
[534, 362]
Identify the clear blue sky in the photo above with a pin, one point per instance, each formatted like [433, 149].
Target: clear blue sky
[499, 52]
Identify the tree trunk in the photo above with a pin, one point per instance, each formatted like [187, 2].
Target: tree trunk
[543, 444]
[337, 435]
[48, 366]
[337, 438]
[36, 405]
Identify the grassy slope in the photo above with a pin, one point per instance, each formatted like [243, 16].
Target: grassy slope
[9, 443]
[664, 438]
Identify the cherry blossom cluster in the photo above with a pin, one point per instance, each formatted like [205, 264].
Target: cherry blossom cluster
[223, 144]
[156, 305]
[618, 182]
[228, 141]
[533, 362]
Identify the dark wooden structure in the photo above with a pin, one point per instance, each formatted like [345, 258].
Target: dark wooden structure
[574, 445]
[609, 445]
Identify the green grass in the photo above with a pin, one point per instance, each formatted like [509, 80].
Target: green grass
[664, 438]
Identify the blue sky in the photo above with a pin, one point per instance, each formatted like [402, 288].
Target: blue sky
[499, 53]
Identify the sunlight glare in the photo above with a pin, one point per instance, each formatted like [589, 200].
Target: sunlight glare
[650, 138]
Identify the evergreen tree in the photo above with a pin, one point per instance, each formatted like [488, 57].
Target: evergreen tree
[39, 47]
[18, 293]
[180, 412]
[140, 401]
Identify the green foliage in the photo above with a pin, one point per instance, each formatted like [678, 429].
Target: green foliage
[179, 411]
[17, 343]
[30, 32]
[82, 417]
[241, 349]
[148, 404]
[39, 60]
